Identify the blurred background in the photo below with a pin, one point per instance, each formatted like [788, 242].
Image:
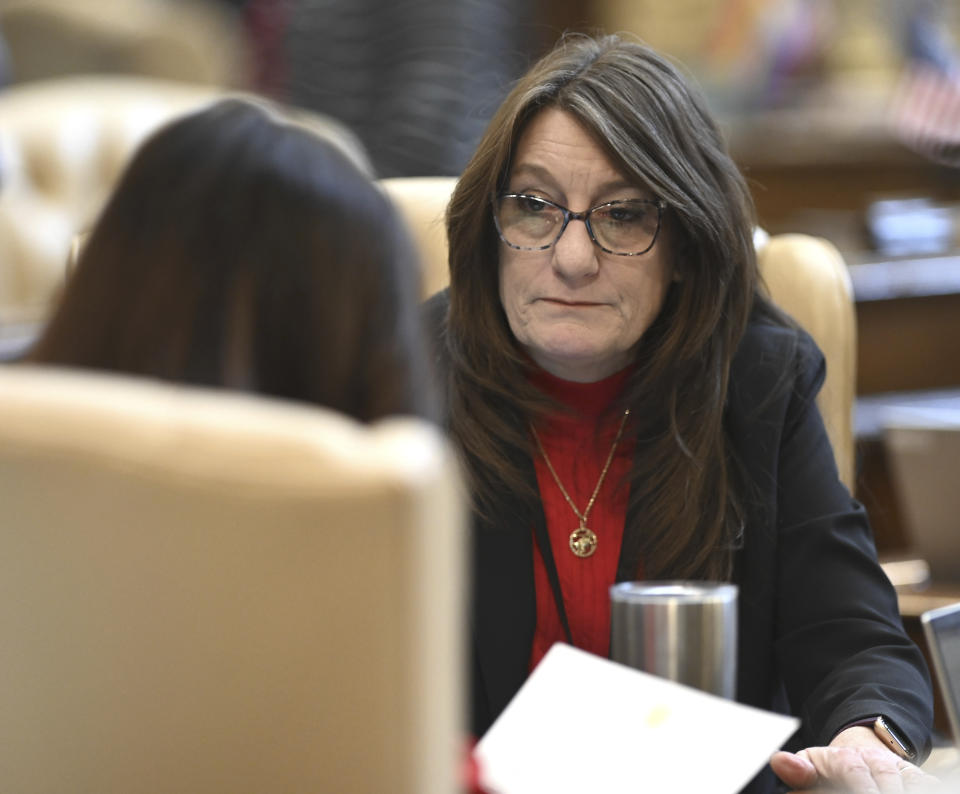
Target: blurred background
[843, 114]
[862, 95]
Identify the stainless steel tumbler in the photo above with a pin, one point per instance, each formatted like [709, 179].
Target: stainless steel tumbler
[684, 631]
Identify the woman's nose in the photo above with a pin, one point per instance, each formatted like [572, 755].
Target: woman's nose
[574, 254]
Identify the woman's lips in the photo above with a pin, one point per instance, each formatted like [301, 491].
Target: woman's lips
[561, 302]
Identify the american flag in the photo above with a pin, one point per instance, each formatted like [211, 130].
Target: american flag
[925, 104]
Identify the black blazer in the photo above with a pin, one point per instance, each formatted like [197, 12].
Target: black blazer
[820, 634]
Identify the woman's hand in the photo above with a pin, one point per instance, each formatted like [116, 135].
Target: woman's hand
[856, 761]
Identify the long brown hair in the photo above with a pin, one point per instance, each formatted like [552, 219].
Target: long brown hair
[242, 250]
[657, 130]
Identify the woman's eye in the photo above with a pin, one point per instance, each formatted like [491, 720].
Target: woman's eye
[625, 213]
[532, 204]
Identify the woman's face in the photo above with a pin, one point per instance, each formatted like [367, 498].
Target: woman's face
[578, 311]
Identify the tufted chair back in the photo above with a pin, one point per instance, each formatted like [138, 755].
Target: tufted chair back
[200, 41]
[63, 144]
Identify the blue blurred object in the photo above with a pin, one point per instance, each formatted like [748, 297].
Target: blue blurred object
[906, 227]
[796, 50]
[926, 39]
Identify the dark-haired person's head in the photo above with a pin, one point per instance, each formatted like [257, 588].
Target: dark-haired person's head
[242, 250]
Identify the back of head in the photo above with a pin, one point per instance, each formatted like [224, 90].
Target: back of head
[244, 251]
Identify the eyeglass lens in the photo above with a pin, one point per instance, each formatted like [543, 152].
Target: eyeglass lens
[626, 227]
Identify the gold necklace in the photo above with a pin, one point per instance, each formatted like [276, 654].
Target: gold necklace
[583, 541]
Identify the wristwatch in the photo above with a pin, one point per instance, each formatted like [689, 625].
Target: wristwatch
[893, 739]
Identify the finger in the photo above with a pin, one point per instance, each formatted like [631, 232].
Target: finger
[889, 779]
[794, 769]
[901, 776]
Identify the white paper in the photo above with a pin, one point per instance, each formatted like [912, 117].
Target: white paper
[582, 723]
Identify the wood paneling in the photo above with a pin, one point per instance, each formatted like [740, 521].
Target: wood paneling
[908, 344]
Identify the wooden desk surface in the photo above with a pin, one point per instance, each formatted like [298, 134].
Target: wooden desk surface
[914, 603]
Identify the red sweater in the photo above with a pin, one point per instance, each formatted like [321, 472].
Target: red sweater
[577, 444]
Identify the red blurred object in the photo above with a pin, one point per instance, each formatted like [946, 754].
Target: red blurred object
[925, 111]
[265, 22]
[925, 107]
[470, 772]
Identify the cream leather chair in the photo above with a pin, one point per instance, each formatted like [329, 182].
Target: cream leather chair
[209, 592]
[63, 143]
[806, 276]
[200, 41]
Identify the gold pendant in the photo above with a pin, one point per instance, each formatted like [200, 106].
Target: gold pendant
[583, 542]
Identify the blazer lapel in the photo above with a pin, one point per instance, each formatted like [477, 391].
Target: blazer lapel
[504, 595]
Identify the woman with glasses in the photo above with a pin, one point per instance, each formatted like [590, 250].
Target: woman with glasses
[630, 405]
[242, 250]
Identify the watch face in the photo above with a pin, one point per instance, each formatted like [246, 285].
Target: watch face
[891, 738]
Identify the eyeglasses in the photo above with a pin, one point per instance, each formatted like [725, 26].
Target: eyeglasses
[624, 228]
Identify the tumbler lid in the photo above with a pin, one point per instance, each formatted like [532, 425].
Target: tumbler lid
[675, 590]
